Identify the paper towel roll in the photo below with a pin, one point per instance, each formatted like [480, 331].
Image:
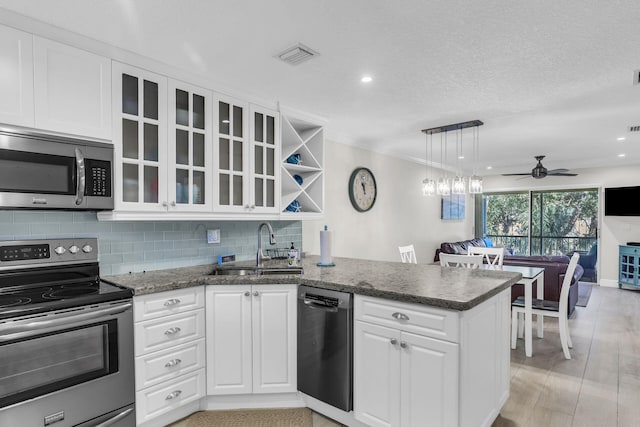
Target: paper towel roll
[325, 247]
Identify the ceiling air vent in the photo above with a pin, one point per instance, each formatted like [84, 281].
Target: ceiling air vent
[297, 54]
[634, 128]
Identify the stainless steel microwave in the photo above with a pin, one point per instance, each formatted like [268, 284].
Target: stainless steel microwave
[51, 172]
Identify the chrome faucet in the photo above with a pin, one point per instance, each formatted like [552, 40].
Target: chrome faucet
[272, 241]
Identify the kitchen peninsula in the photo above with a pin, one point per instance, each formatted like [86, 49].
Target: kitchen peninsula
[431, 344]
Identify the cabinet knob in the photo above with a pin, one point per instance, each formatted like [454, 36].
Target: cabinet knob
[173, 395]
[172, 301]
[403, 344]
[393, 341]
[400, 316]
[172, 331]
[164, 204]
[172, 362]
[252, 206]
[255, 294]
[246, 294]
[173, 203]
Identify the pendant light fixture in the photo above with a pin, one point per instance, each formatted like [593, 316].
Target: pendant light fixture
[428, 184]
[444, 187]
[475, 181]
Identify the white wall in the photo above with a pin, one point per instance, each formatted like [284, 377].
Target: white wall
[613, 231]
[400, 216]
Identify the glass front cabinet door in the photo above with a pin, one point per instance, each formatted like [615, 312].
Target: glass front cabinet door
[264, 165]
[190, 156]
[140, 139]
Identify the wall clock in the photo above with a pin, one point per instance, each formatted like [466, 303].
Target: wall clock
[362, 189]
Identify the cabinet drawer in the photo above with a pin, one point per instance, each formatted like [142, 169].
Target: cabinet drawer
[160, 334]
[416, 318]
[167, 364]
[155, 401]
[162, 304]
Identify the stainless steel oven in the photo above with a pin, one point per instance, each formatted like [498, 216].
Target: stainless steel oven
[66, 338]
[44, 171]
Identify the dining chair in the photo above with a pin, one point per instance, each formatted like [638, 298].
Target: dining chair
[468, 261]
[558, 309]
[408, 254]
[493, 256]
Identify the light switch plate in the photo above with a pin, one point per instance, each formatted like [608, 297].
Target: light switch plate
[213, 236]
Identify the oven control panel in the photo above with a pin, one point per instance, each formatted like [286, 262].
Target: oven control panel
[22, 252]
[25, 252]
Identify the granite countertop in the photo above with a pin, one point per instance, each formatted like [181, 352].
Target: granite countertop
[448, 287]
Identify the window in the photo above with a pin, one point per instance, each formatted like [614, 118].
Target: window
[541, 222]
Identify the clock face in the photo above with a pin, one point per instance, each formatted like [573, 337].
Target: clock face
[362, 189]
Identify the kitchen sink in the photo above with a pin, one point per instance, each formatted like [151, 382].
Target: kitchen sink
[256, 271]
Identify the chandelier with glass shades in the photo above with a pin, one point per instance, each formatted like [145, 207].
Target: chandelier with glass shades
[444, 186]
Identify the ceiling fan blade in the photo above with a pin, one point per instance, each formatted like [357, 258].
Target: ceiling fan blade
[556, 171]
[563, 174]
[514, 174]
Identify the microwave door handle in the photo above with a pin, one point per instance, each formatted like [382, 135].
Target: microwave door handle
[34, 328]
[80, 177]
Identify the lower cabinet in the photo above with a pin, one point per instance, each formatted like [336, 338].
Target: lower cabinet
[169, 353]
[251, 339]
[416, 365]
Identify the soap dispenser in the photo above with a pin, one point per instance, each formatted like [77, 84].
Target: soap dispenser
[292, 256]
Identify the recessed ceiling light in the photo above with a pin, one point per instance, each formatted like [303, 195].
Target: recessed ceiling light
[622, 138]
[366, 79]
[461, 157]
[621, 155]
[489, 167]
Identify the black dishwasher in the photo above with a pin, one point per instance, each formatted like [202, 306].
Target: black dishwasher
[325, 345]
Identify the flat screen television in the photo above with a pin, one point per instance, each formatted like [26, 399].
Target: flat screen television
[622, 201]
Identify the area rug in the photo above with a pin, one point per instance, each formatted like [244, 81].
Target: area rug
[288, 417]
[584, 293]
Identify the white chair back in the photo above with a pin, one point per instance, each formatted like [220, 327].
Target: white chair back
[563, 302]
[493, 256]
[467, 261]
[408, 254]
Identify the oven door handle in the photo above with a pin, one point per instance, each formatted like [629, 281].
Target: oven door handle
[112, 421]
[80, 177]
[34, 328]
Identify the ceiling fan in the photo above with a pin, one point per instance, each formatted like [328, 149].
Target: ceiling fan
[540, 171]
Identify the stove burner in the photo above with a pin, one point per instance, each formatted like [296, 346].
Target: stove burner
[14, 301]
[70, 292]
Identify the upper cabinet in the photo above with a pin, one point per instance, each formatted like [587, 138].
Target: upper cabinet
[140, 139]
[53, 87]
[302, 168]
[72, 90]
[16, 84]
[247, 149]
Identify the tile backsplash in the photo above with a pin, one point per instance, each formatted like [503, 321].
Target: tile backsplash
[133, 246]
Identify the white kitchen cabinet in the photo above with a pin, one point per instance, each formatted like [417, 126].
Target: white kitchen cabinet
[404, 379]
[72, 90]
[251, 339]
[416, 365]
[190, 148]
[16, 84]
[247, 152]
[169, 331]
[140, 139]
[303, 182]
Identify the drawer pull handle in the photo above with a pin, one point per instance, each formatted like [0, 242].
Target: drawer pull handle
[172, 301]
[400, 316]
[173, 395]
[172, 362]
[393, 341]
[172, 331]
[403, 344]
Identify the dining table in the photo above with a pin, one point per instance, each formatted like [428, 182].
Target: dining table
[529, 275]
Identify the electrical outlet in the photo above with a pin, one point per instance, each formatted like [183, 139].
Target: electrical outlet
[213, 236]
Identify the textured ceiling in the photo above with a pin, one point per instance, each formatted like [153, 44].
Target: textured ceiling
[547, 77]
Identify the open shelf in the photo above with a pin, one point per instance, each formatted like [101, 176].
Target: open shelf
[305, 138]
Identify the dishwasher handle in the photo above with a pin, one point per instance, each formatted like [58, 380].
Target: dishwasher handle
[319, 305]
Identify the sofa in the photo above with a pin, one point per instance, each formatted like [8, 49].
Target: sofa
[555, 268]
